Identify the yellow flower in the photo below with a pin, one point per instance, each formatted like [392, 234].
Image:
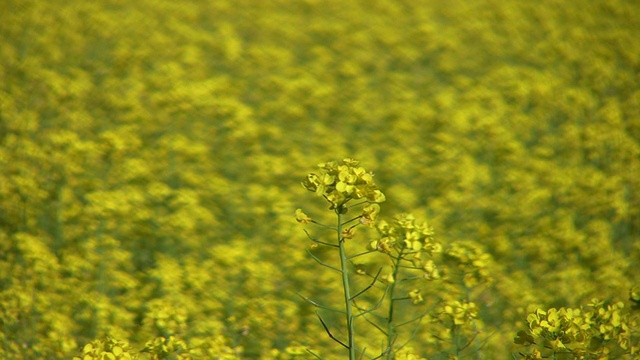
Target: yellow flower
[301, 217]
[415, 296]
[348, 233]
[369, 214]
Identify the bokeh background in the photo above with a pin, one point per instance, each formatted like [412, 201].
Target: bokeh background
[151, 154]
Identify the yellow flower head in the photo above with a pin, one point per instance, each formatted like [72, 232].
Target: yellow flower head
[340, 183]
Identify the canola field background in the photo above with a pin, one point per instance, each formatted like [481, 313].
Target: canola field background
[151, 154]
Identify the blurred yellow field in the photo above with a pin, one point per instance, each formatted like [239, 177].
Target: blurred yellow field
[151, 155]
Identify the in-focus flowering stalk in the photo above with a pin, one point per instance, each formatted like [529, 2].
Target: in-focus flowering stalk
[342, 185]
[407, 244]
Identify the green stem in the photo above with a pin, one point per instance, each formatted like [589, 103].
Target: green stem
[344, 263]
[390, 327]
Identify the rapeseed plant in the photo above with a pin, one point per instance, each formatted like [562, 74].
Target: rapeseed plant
[348, 188]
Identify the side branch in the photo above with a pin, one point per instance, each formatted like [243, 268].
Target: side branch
[318, 241]
[329, 332]
[320, 305]
[362, 253]
[375, 278]
[322, 262]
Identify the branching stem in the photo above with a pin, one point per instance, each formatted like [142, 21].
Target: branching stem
[391, 336]
[344, 263]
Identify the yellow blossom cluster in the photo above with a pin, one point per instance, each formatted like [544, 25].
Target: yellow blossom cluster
[340, 183]
[410, 240]
[599, 331]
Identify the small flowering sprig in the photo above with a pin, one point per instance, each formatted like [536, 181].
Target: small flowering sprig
[468, 270]
[471, 262]
[409, 245]
[407, 240]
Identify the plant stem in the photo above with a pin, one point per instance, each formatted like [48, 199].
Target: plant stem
[344, 263]
[390, 327]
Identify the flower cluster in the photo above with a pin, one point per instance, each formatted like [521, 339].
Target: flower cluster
[106, 349]
[404, 235]
[471, 261]
[591, 332]
[460, 312]
[557, 326]
[341, 183]
[167, 348]
[408, 240]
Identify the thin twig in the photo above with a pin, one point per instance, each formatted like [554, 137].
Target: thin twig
[375, 307]
[314, 354]
[469, 342]
[362, 353]
[318, 241]
[352, 220]
[329, 332]
[362, 253]
[413, 333]
[364, 315]
[320, 305]
[322, 262]
[375, 278]
[419, 317]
